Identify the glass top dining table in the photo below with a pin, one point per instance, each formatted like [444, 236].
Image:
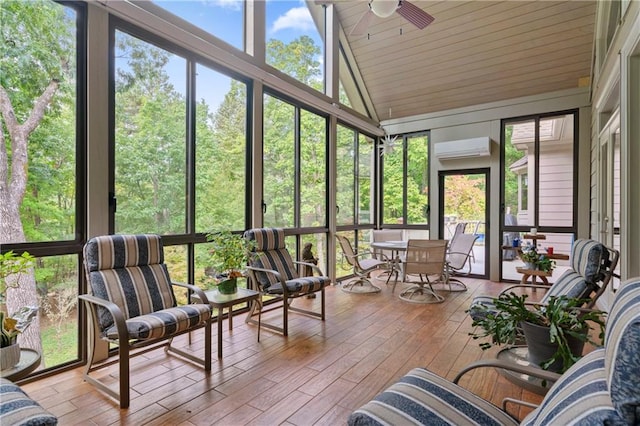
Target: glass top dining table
[394, 264]
[390, 245]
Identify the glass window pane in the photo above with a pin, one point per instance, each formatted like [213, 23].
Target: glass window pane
[223, 19]
[313, 169]
[392, 183]
[39, 201]
[318, 248]
[150, 135]
[279, 163]
[342, 266]
[221, 140]
[57, 280]
[345, 191]
[556, 171]
[366, 165]
[295, 45]
[417, 179]
[519, 167]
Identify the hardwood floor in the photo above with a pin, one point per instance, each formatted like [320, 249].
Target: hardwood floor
[317, 375]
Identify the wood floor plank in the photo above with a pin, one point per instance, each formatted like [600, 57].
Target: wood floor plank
[317, 375]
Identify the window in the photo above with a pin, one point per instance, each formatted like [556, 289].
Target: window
[294, 166]
[405, 181]
[150, 138]
[221, 151]
[539, 184]
[293, 32]
[42, 199]
[223, 19]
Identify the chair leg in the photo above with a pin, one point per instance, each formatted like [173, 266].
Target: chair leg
[123, 354]
[207, 346]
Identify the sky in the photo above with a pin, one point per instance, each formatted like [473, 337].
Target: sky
[286, 20]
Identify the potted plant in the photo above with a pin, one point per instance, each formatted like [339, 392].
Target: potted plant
[11, 266]
[555, 333]
[229, 255]
[534, 260]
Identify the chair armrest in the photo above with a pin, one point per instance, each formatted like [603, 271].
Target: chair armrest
[285, 292]
[114, 310]
[497, 363]
[532, 286]
[311, 265]
[197, 290]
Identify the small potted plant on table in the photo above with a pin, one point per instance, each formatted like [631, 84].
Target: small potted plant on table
[555, 333]
[229, 255]
[536, 261]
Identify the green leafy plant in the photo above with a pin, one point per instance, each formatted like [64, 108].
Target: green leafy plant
[563, 315]
[13, 264]
[229, 253]
[540, 261]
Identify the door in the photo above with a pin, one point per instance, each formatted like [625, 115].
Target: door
[464, 204]
[609, 187]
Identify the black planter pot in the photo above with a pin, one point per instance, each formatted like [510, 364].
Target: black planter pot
[541, 349]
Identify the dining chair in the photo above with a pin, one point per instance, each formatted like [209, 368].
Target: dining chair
[426, 260]
[363, 264]
[459, 256]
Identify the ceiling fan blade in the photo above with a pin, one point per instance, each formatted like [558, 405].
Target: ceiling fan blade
[414, 14]
[362, 25]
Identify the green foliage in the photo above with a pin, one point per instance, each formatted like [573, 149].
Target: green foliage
[229, 252]
[501, 322]
[540, 261]
[13, 264]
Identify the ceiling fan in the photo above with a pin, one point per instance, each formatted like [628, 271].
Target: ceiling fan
[386, 8]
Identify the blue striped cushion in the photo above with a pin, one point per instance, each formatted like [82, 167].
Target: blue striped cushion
[587, 257]
[570, 284]
[301, 285]
[271, 253]
[579, 397]
[622, 343]
[117, 272]
[16, 408]
[266, 238]
[424, 398]
[121, 251]
[164, 323]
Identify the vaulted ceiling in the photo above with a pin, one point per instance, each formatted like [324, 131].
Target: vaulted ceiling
[475, 52]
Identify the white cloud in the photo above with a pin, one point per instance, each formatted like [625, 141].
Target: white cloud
[226, 4]
[297, 18]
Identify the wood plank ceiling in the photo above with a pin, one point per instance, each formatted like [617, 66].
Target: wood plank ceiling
[475, 52]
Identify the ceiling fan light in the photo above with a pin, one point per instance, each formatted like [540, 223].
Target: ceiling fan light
[384, 8]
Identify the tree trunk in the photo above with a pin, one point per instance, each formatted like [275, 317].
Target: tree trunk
[12, 189]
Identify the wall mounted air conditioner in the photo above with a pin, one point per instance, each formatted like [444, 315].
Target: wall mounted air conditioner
[464, 148]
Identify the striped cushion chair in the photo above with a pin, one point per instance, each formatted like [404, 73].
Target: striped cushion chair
[273, 272]
[599, 389]
[132, 304]
[591, 269]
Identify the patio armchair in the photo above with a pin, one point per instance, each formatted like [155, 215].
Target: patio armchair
[273, 273]
[132, 305]
[363, 264]
[601, 388]
[592, 266]
[424, 258]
